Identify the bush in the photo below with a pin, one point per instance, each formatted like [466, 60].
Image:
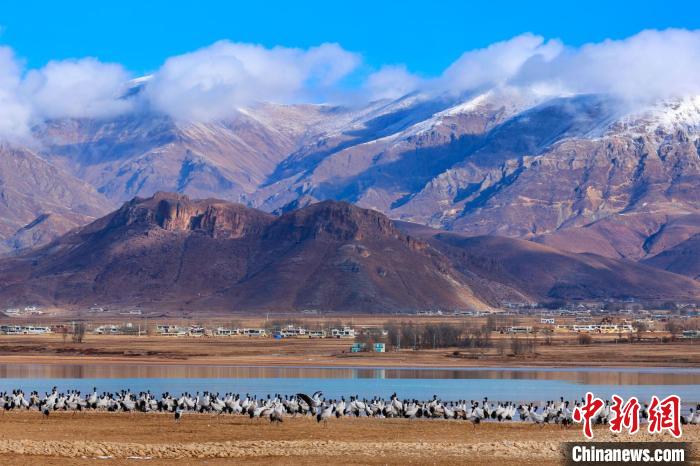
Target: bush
[641, 328]
[79, 332]
[674, 328]
[548, 338]
[522, 346]
[585, 339]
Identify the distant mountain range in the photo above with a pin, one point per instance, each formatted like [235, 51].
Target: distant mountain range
[170, 252]
[580, 174]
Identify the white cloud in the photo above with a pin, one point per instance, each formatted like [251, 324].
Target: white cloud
[391, 82]
[648, 66]
[15, 112]
[211, 82]
[77, 88]
[643, 68]
[71, 88]
[494, 65]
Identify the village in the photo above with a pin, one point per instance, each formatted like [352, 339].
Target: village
[504, 323]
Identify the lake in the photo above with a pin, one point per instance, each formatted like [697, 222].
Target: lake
[513, 384]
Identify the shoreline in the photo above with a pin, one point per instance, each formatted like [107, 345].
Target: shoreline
[50, 361]
[401, 361]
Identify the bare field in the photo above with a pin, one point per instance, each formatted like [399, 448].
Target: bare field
[26, 438]
[564, 351]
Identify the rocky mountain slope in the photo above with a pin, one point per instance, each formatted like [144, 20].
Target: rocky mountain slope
[584, 173]
[681, 258]
[168, 250]
[39, 201]
[543, 273]
[570, 171]
[539, 270]
[171, 252]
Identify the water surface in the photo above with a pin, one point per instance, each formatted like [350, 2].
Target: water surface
[515, 384]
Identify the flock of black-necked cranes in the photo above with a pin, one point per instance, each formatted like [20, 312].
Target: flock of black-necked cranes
[277, 407]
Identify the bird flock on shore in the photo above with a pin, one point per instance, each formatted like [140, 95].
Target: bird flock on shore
[277, 407]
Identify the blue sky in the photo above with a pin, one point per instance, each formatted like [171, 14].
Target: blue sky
[426, 36]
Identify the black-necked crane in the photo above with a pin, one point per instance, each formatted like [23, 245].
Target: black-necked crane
[324, 413]
[276, 407]
[277, 414]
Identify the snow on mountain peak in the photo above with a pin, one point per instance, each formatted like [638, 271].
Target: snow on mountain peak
[666, 116]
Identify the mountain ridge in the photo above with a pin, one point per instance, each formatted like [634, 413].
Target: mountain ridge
[171, 252]
[583, 173]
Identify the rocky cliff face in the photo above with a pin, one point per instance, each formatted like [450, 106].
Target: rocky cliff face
[177, 212]
[335, 221]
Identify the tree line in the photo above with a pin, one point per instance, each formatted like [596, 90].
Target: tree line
[427, 336]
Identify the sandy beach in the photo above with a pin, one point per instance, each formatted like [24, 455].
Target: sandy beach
[83, 438]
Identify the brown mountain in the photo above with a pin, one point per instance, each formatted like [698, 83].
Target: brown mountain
[38, 201]
[139, 154]
[583, 173]
[542, 273]
[683, 258]
[169, 250]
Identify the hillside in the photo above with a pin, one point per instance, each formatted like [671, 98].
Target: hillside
[171, 251]
[681, 259]
[542, 273]
[39, 201]
[583, 173]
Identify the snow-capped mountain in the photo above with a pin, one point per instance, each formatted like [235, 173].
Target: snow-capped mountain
[586, 173]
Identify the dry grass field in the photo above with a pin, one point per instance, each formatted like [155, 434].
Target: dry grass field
[564, 351]
[83, 438]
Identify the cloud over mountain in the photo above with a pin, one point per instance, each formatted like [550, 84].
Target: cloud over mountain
[211, 82]
[77, 88]
[392, 82]
[496, 64]
[85, 88]
[647, 66]
[14, 113]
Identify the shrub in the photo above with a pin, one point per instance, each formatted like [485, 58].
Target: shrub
[78, 332]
